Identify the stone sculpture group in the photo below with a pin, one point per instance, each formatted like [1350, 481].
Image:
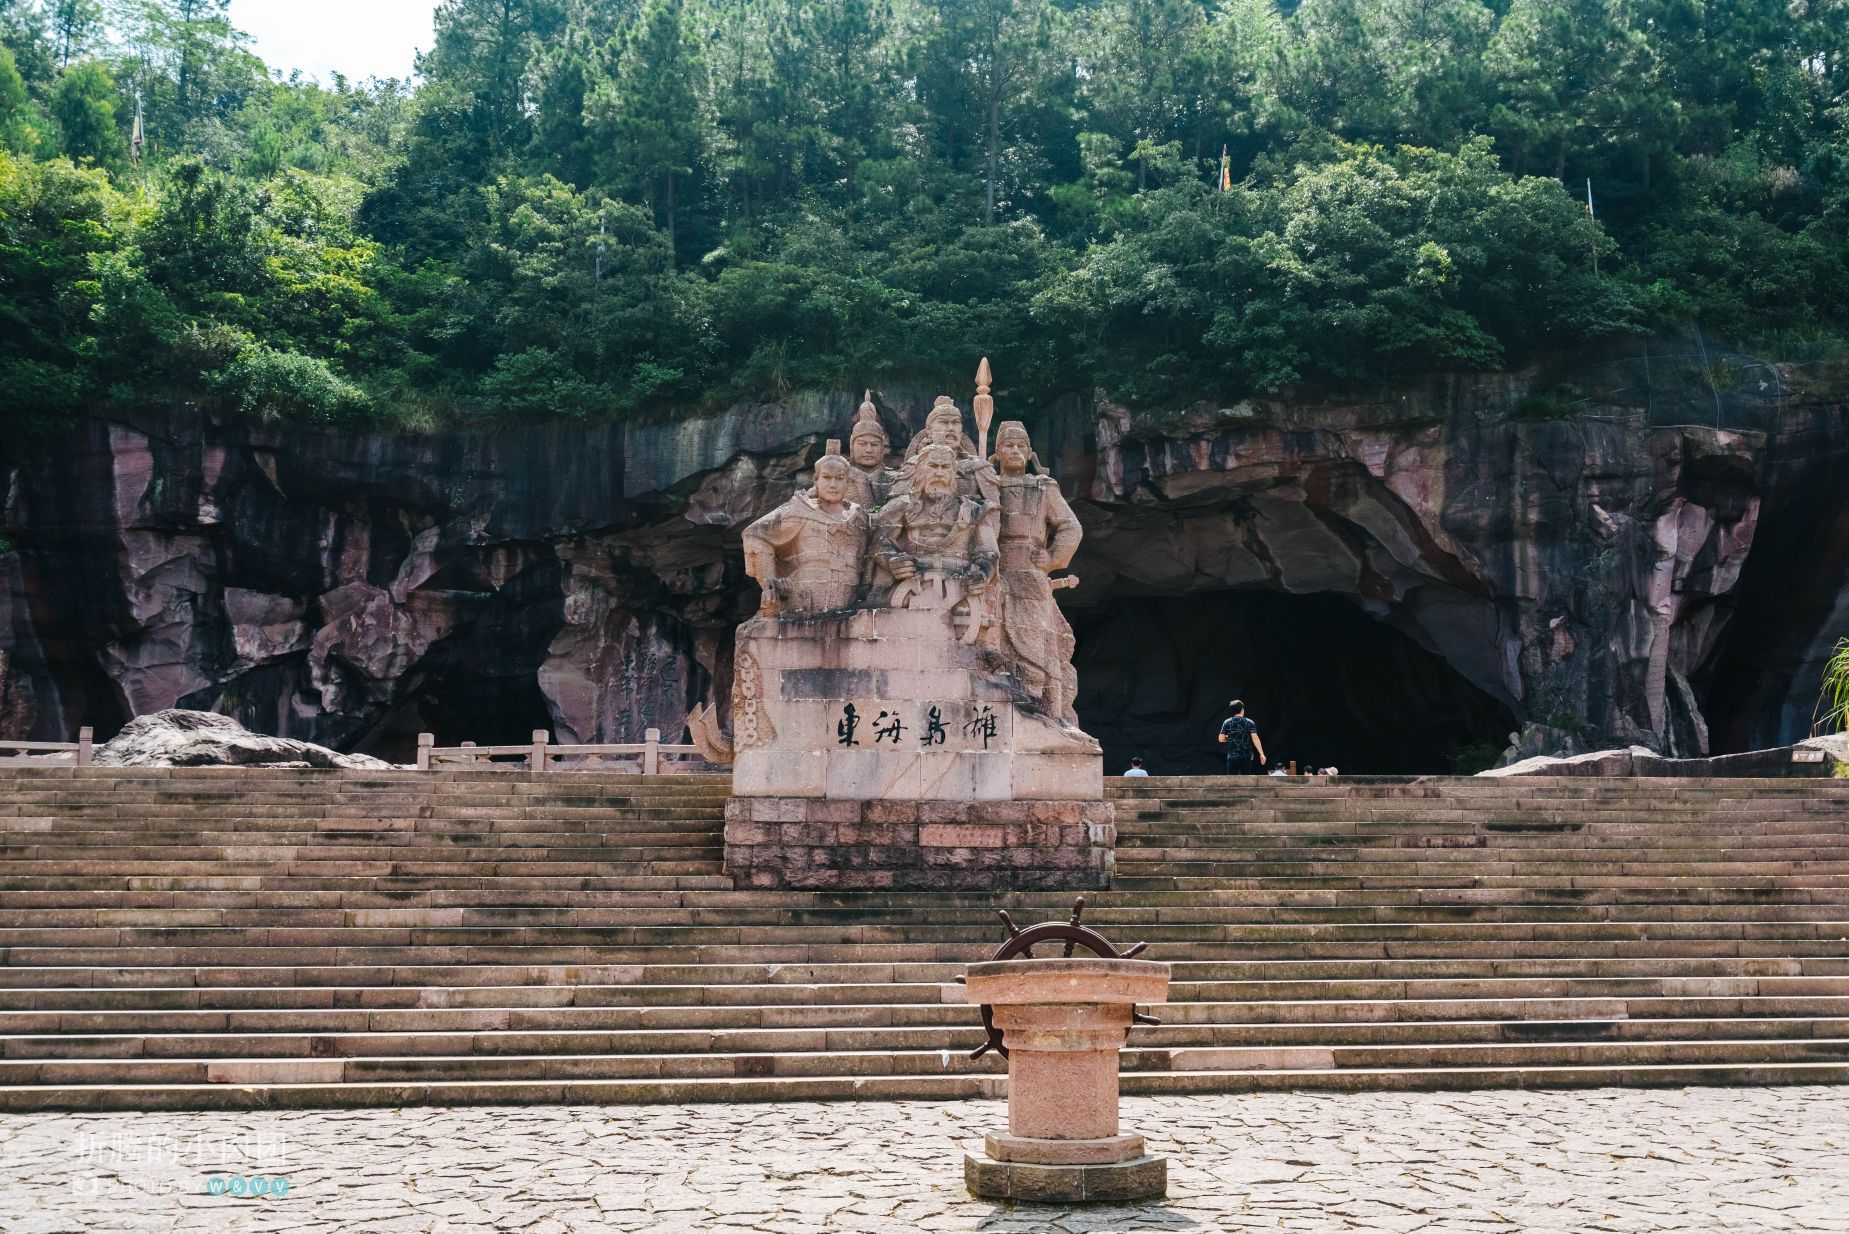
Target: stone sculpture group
[949, 530]
[902, 706]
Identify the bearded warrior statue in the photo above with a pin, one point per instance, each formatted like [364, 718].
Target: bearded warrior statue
[944, 427]
[933, 541]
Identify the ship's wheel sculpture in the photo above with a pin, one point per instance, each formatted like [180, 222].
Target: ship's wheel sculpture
[1020, 945]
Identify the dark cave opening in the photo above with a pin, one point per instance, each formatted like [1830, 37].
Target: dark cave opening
[1327, 684]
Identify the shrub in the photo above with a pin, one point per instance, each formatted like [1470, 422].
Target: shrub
[277, 385]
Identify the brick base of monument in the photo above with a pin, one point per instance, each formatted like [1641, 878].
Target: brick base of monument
[818, 844]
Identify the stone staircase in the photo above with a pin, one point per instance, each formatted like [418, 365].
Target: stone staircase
[242, 937]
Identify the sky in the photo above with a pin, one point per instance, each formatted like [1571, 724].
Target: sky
[361, 38]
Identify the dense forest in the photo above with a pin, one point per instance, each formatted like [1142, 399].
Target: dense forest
[619, 208]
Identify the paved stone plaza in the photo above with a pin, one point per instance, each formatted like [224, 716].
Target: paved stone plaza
[1605, 1160]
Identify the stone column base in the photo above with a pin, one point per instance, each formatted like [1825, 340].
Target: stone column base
[1139, 1178]
[819, 844]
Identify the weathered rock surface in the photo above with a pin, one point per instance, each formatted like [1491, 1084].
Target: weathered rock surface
[1635, 575]
[1816, 756]
[177, 738]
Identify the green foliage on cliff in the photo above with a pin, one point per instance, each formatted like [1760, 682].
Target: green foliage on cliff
[596, 208]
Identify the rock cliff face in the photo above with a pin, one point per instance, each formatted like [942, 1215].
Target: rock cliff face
[1393, 585]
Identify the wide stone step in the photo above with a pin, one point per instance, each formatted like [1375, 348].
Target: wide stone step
[610, 1010]
[1290, 980]
[591, 852]
[378, 884]
[666, 927]
[1433, 880]
[1111, 908]
[38, 925]
[1153, 1048]
[634, 1006]
[1332, 959]
[884, 1088]
[651, 828]
[890, 1062]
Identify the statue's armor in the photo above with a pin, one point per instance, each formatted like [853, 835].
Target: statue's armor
[817, 555]
[943, 535]
[869, 487]
[1034, 633]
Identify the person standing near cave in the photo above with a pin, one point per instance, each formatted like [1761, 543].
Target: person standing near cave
[1245, 753]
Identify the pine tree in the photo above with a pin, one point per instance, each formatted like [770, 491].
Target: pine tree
[648, 110]
[76, 25]
[484, 49]
[1147, 64]
[975, 62]
[1576, 82]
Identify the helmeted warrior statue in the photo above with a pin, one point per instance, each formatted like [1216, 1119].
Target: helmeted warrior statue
[944, 427]
[870, 481]
[807, 553]
[1038, 535]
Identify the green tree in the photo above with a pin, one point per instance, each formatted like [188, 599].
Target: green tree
[204, 245]
[1577, 83]
[19, 117]
[84, 105]
[829, 60]
[23, 32]
[1361, 264]
[975, 63]
[1714, 55]
[483, 50]
[56, 220]
[580, 284]
[1388, 70]
[647, 111]
[562, 143]
[76, 27]
[1148, 63]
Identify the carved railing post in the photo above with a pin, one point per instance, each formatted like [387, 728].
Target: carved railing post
[538, 759]
[651, 752]
[424, 743]
[84, 743]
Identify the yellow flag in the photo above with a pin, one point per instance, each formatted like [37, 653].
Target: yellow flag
[1226, 172]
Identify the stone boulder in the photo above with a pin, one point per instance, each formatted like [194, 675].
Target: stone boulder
[1817, 756]
[178, 738]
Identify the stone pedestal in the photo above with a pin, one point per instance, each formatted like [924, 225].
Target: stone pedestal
[1064, 1021]
[932, 718]
[886, 747]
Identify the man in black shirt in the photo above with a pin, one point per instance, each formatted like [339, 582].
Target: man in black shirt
[1245, 753]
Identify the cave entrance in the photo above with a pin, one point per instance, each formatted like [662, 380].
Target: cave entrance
[1327, 684]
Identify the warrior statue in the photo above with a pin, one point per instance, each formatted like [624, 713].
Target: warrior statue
[944, 427]
[932, 539]
[870, 482]
[1038, 535]
[807, 553]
